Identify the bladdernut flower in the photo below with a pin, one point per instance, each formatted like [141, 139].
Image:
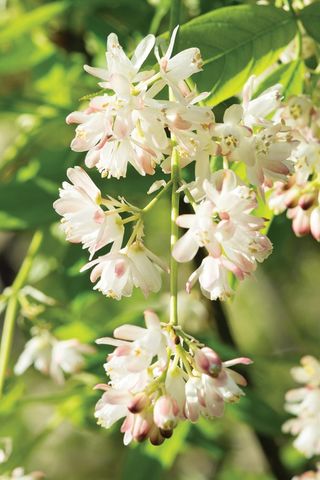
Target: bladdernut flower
[121, 270]
[84, 221]
[52, 357]
[160, 376]
[304, 403]
[223, 223]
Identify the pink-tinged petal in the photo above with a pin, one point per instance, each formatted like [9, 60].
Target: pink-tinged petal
[76, 117]
[237, 361]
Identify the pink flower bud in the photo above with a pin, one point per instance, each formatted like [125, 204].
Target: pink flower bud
[307, 200]
[138, 403]
[301, 223]
[208, 361]
[315, 223]
[165, 413]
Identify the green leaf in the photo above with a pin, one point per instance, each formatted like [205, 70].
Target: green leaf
[310, 18]
[25, 205]
[28, 21]
[236, 42]
[290, 75]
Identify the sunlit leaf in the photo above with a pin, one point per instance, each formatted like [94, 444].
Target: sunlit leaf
[236, 42]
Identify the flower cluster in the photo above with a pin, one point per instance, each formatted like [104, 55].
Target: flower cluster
[304, 403]
[223, 223]
[51, 356]
[300, 195]
[132, 124]
[159, 376]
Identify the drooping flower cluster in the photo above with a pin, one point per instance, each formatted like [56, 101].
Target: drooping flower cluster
[304, 403]
[160, 376]
[300, 195]
[223, 223]
[51, 356]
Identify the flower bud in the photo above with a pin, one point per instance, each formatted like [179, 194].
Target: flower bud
[301, 223]
[155, 436]
[138, 403]
[315, 223]
[165, 413]
[208, 361]
[307, 200]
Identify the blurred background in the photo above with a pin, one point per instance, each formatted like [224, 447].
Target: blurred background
[274, 317]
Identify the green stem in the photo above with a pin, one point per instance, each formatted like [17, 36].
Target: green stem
[175, 174]
[156, 198]
[11, 312]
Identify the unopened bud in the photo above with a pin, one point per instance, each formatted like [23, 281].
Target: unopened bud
[138, 403]
[208, 361]
[307, 200]
[166, 433]
[165, 413]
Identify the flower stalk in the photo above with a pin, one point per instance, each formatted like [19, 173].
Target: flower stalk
[175, 174]
[11, 312]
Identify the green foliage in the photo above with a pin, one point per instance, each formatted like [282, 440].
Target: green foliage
[43, 45]
[236, 42]
[310, 18]
[290, 75]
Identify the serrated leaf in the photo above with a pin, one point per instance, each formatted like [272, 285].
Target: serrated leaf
[290, 75]
[310, 18]
[236, 42]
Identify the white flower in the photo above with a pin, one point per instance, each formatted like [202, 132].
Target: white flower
[37, 351]
[52, 357]
[298, 112]
[119, 64]
[120, 271]
[257, 109]
[266, 155]
[304, 403]
[223, 224]
[160, 376]
[84, 221]
[175, 69]
[5, 449]
[231, 133]
[127, 127]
